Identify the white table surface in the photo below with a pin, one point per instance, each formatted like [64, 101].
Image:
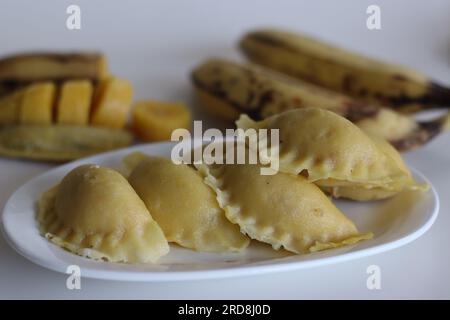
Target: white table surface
[156, 44]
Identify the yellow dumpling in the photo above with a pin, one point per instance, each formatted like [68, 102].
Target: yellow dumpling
[94, 212]
[333, 152]
[282, 209]
[366, 192]
[183, 205]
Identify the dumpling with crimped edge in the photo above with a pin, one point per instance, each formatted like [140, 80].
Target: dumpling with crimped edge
[327, 146]
[183, 205]
[282, 209]
[366, 192]
[362, 193]
[94, 212]
[330, 150]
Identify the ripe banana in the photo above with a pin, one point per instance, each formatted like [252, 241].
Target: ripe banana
[26, 68]
[364, 78]
[228, 89]
[231, 89]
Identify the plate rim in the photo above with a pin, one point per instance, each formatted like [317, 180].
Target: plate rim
[219, 273]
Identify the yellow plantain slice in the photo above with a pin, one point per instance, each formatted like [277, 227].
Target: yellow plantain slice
[155, 120]
[37, 103]
[112, 102]
[59, 142]
[74, 102]
[10, 107]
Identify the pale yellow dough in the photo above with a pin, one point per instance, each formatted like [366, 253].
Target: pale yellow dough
[183, 205]
[94, 212]
[368, 192]
[283, 210]
[334, 153]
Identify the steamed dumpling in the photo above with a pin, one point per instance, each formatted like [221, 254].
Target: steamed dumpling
[333, 152]
[94, 212]
[367, 192]
[282, 209]
[183, 205]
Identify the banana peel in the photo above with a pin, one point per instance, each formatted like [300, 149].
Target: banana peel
[228, 89]
[48, 66]
[356, 75]
[59, 143]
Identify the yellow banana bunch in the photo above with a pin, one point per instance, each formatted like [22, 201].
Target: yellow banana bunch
[228, 89]
[364, 78]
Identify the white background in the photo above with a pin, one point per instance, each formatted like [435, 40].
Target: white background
[155, 44]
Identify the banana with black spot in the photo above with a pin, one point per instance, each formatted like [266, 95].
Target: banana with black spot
[229, 89]
[340, 70]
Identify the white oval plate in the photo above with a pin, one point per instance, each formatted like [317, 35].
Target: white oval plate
[395, 222]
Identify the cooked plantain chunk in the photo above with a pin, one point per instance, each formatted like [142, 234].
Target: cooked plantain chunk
[59, 142]
[155, 121]
[10, 107]
[37, 103]
[74, 102]
[112, 103]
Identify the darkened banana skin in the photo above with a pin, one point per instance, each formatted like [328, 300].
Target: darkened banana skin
[7, 87]
[228, 89]
[367, 79]
[261, 93]
[403, 131]
[426, 131]
[26, 68]
[59, 143]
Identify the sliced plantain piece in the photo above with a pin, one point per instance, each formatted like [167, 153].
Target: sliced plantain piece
[37, 103]
[155, 121]
[74, 102]
[59, 142]
[112, 102]
[367, 79]
[10, 107]
[53, 66]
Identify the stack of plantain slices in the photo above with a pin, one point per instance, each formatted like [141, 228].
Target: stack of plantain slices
[61, 106]
[289, 70]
